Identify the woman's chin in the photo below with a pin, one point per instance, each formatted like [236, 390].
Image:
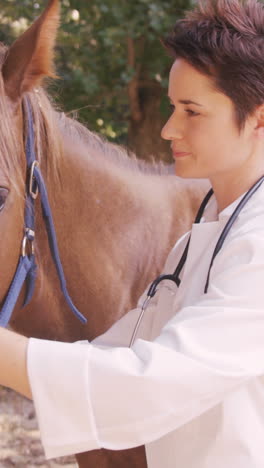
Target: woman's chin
[185, 173]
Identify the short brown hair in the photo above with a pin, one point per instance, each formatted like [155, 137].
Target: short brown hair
[224, 39]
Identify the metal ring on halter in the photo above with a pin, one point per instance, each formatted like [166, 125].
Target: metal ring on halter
[28, 242]
[32, 192]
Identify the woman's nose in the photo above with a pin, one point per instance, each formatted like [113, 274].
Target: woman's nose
[172, 129]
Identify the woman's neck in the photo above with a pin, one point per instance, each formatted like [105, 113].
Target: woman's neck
[232, 186]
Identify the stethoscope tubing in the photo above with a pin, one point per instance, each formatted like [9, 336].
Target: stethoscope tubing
[175, 276]
[229, 225]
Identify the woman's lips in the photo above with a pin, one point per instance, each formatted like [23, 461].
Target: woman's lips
[179, 154]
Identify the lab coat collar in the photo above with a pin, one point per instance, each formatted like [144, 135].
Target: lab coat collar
[211, 212]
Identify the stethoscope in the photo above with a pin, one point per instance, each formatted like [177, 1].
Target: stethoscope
[175, 276]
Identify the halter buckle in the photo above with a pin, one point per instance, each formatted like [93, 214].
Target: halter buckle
[33, 191]
[28, 243]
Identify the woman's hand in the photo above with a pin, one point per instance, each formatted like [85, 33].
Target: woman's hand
[13, 362]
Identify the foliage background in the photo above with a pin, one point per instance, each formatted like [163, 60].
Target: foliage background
[112, 65]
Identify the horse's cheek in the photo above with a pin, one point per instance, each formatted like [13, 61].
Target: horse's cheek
[11, 234]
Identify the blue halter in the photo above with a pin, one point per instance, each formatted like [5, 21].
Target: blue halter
[26, 271]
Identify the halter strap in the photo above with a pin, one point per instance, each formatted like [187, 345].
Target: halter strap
[27, 268]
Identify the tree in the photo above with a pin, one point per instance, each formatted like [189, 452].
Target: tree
[113, 66]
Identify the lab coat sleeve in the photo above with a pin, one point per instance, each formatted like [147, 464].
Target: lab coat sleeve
[88, 396]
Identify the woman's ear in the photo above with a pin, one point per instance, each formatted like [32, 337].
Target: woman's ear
[30, 58]
[259, 128]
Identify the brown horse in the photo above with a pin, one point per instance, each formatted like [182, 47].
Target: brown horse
[116, 218]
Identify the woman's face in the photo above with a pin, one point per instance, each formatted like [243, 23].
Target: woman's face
[205, 140]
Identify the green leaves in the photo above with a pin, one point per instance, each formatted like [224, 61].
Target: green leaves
[93, 57]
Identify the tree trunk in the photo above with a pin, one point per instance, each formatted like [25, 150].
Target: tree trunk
[145, 96]
[144, 132]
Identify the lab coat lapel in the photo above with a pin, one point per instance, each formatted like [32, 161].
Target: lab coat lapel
[193, 278]
[171, 299]
[203, 241]
[204, 237]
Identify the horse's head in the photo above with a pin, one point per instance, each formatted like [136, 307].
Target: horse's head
[22, 69]
[106, 209]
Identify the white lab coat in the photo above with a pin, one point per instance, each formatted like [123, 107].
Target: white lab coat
[192, 387]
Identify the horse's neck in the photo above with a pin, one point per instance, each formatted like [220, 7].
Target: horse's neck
[102, 220]
[114, 230]
[108, 211]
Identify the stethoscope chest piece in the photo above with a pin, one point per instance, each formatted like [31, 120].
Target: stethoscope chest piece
[175, 277]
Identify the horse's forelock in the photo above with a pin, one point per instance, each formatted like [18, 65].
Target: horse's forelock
[9, 145]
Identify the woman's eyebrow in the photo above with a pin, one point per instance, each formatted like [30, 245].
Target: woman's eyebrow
[188, 101]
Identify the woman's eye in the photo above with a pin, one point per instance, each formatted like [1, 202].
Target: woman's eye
[191, 113]
[3, 196]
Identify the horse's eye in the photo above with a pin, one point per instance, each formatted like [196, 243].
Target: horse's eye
[3, 196]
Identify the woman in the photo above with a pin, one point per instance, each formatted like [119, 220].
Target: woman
[192, 385]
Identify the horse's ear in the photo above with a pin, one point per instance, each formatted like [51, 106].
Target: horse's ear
[30, 58]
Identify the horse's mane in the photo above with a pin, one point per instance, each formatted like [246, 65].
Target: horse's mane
[50, 124]
[94, 143]
[114, 153]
